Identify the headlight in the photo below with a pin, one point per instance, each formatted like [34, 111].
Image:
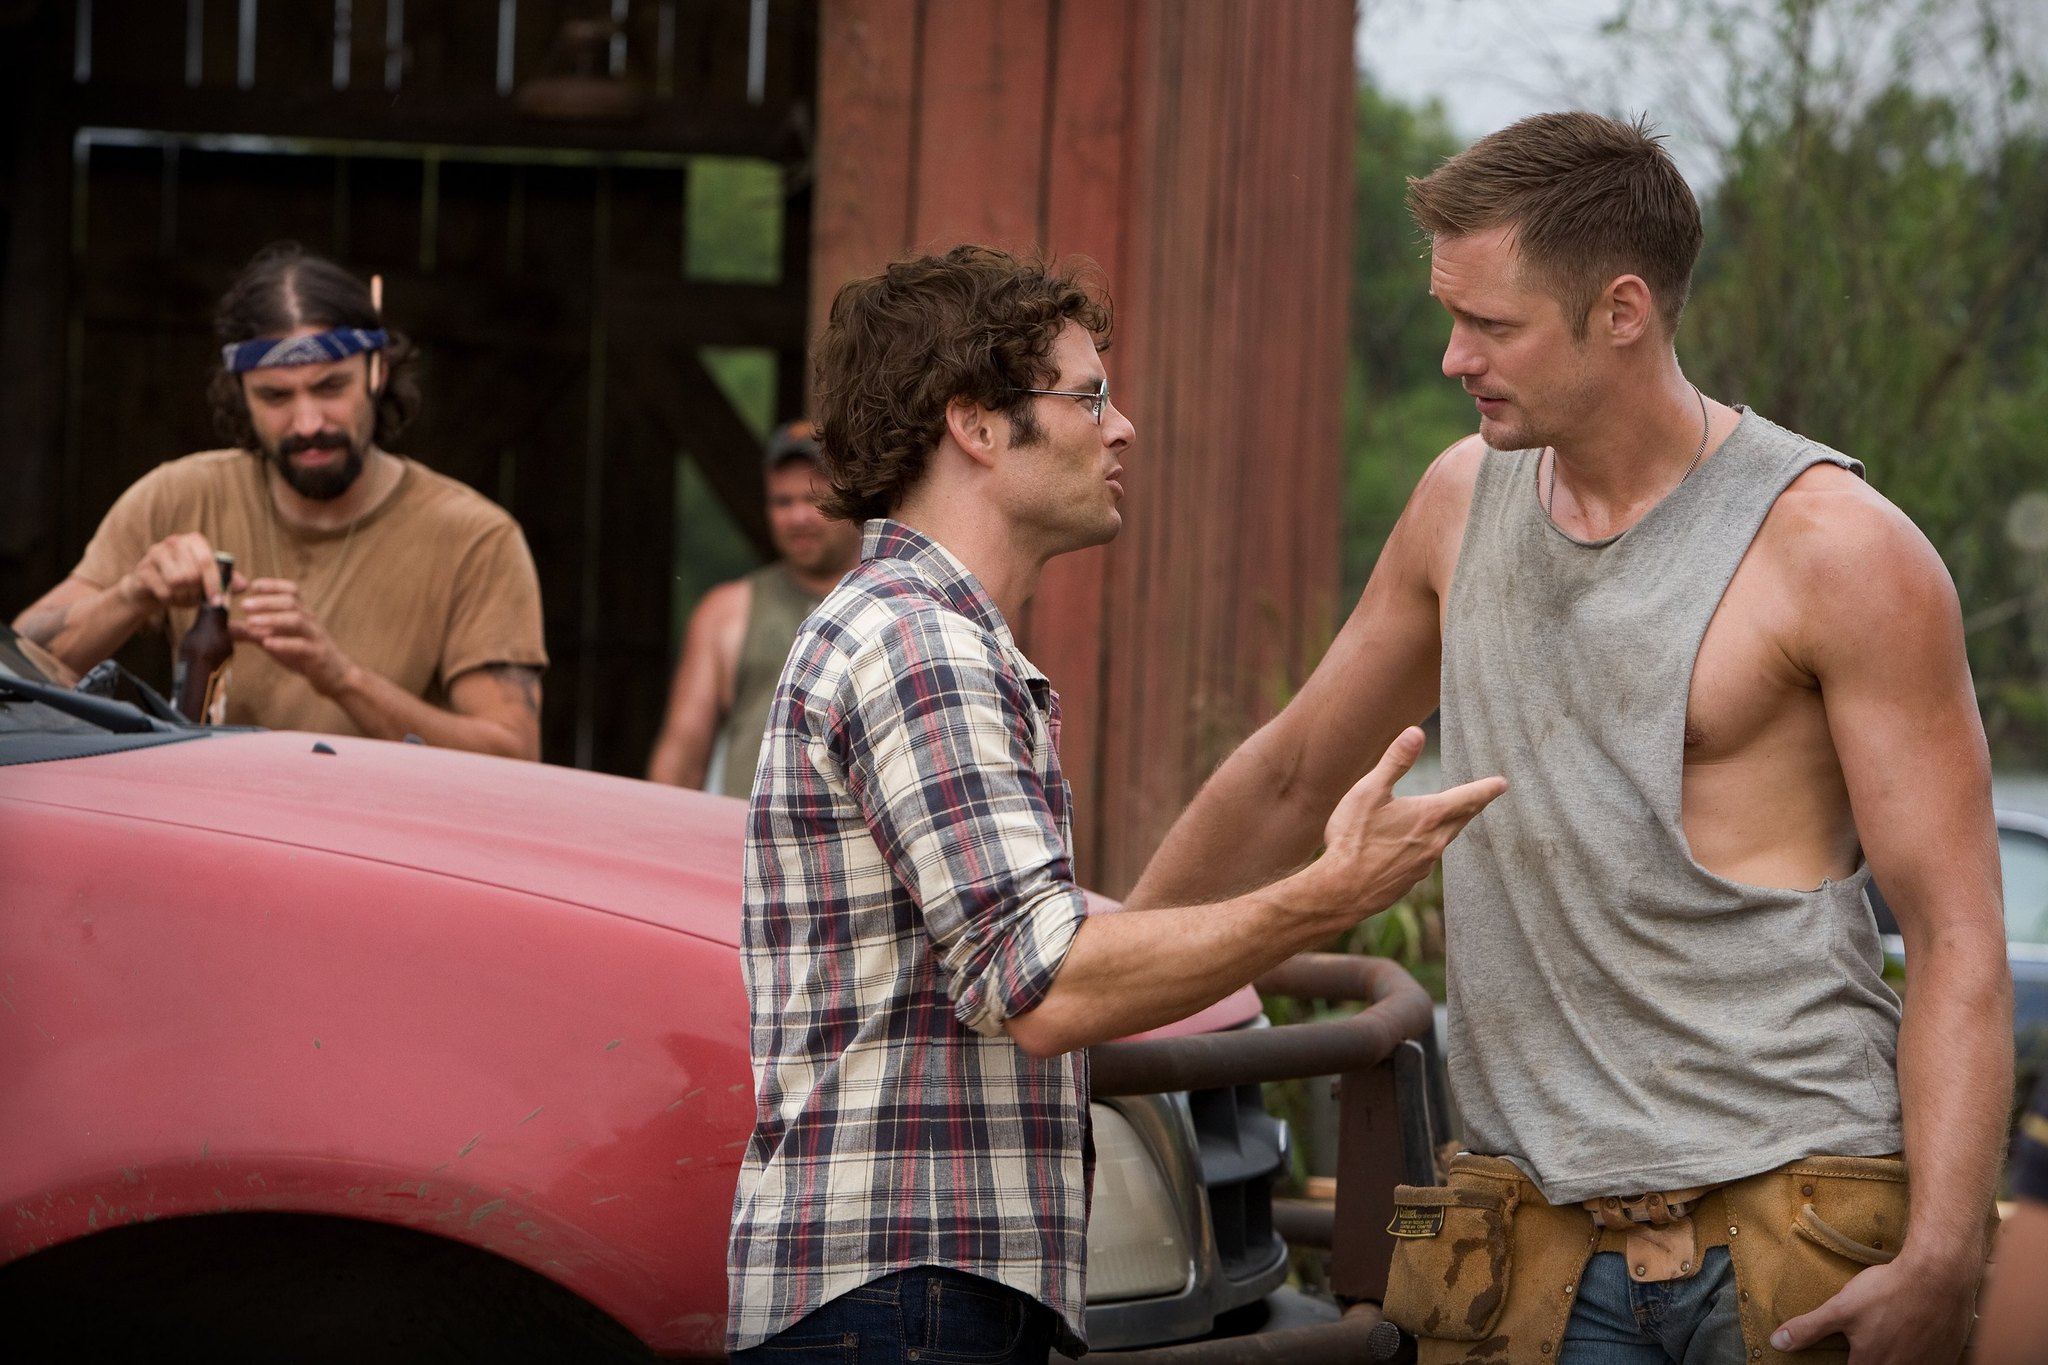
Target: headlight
[1137, 1243]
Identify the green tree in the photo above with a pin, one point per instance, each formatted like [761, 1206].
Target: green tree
[1876, 277]
[1399, 410]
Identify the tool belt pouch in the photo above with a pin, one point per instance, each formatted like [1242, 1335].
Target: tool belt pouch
[1797, 1235]
[1498, 1291]
[1449, 1277]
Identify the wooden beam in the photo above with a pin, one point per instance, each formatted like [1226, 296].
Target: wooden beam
[693, 410]
[444, 118]
[643, 308]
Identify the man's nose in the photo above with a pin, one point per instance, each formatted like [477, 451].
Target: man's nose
[307, 415]
[1460, 360]
[1117, 431]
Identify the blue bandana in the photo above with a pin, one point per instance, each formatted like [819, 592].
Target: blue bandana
[317, 349]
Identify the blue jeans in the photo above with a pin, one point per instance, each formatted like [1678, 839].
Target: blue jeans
[1617, 1321]
[930, 1315]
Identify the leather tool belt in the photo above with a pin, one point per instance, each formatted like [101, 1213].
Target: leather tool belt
[1485, 1270]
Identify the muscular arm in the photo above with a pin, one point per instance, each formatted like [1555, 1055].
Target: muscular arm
[1262, 812]
[701, 694]
[1883, 636]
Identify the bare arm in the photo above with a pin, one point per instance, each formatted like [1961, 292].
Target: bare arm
[1884, 639]
[82, 623]
[701, 694]
[494, 709]
[1135, 970]
[1262, 812]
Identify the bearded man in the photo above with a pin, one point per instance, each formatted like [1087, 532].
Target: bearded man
[372, 596]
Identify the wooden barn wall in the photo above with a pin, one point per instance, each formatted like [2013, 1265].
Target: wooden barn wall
[1199, 154]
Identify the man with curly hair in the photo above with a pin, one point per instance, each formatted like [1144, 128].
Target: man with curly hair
[376, 597]
[921, 967]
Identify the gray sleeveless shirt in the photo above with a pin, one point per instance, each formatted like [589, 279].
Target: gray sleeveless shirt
[1622, 1019]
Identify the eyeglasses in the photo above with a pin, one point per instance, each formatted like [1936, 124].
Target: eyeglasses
[1100, 394]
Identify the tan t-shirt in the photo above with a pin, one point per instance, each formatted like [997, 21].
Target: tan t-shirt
[432, 582]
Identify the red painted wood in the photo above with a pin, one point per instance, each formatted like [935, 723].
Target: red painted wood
[1200, 153]
[982, 73]
[1085, 210]
[867, 100]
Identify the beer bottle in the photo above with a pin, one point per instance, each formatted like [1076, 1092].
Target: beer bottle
[199, 685]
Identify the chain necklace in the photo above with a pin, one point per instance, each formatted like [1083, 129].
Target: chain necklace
[1550, 485]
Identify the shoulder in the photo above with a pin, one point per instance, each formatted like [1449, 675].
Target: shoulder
[1433, 526]
[453, 503]
[200, 472]
[1450, 478]
[724, 604]
[894, 634]
[1836, 531]
[1861, 581]
[178, 493]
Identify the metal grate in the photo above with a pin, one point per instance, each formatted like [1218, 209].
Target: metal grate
[1243, 1150]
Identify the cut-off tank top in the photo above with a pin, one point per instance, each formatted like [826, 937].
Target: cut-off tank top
[778, 608]
[1622, 1019]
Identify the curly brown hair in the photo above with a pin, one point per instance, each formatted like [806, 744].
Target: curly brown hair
[975, 323]
[1589, 198]
[283, 287]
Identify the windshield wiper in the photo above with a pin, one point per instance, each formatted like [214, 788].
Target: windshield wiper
[117, 717]
[104, 679]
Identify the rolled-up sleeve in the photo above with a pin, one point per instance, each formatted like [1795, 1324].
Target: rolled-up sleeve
[937, 733]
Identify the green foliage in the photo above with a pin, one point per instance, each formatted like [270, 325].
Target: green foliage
[1399, 410]
[1877, 278]
[735, 228]
[734, 233]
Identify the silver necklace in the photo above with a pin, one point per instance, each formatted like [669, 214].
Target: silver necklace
[1550, 484]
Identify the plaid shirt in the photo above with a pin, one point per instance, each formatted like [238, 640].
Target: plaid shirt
[909, 887]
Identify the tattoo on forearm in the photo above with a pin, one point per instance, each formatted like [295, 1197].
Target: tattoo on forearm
[520, 681]
[45, 625]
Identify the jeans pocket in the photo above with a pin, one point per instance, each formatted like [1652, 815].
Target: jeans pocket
[1449, 1279]
[968, 1320]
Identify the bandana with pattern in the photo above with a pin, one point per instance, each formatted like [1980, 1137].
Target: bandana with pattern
[316, 349]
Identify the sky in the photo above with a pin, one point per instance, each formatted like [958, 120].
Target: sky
[1490, 61]
[1493, 61]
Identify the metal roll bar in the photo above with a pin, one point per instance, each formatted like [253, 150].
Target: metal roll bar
[1383, 1125]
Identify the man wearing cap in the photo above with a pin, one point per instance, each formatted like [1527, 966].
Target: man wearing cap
[741, 632]
[375, 597]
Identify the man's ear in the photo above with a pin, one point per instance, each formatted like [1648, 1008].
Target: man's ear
[376, 374]
[1627, 310]
[973, 429]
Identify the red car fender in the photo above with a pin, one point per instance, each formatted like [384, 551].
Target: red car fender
[205, 1024]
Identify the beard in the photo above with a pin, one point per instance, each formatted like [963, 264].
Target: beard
[323, 484]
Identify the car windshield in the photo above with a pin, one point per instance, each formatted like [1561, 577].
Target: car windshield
[47, 713]
[2025, 859]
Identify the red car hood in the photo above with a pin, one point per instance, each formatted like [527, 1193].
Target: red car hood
[656, 853]
[659, 854]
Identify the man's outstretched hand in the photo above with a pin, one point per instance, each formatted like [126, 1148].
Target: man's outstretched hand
[1379, 845]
